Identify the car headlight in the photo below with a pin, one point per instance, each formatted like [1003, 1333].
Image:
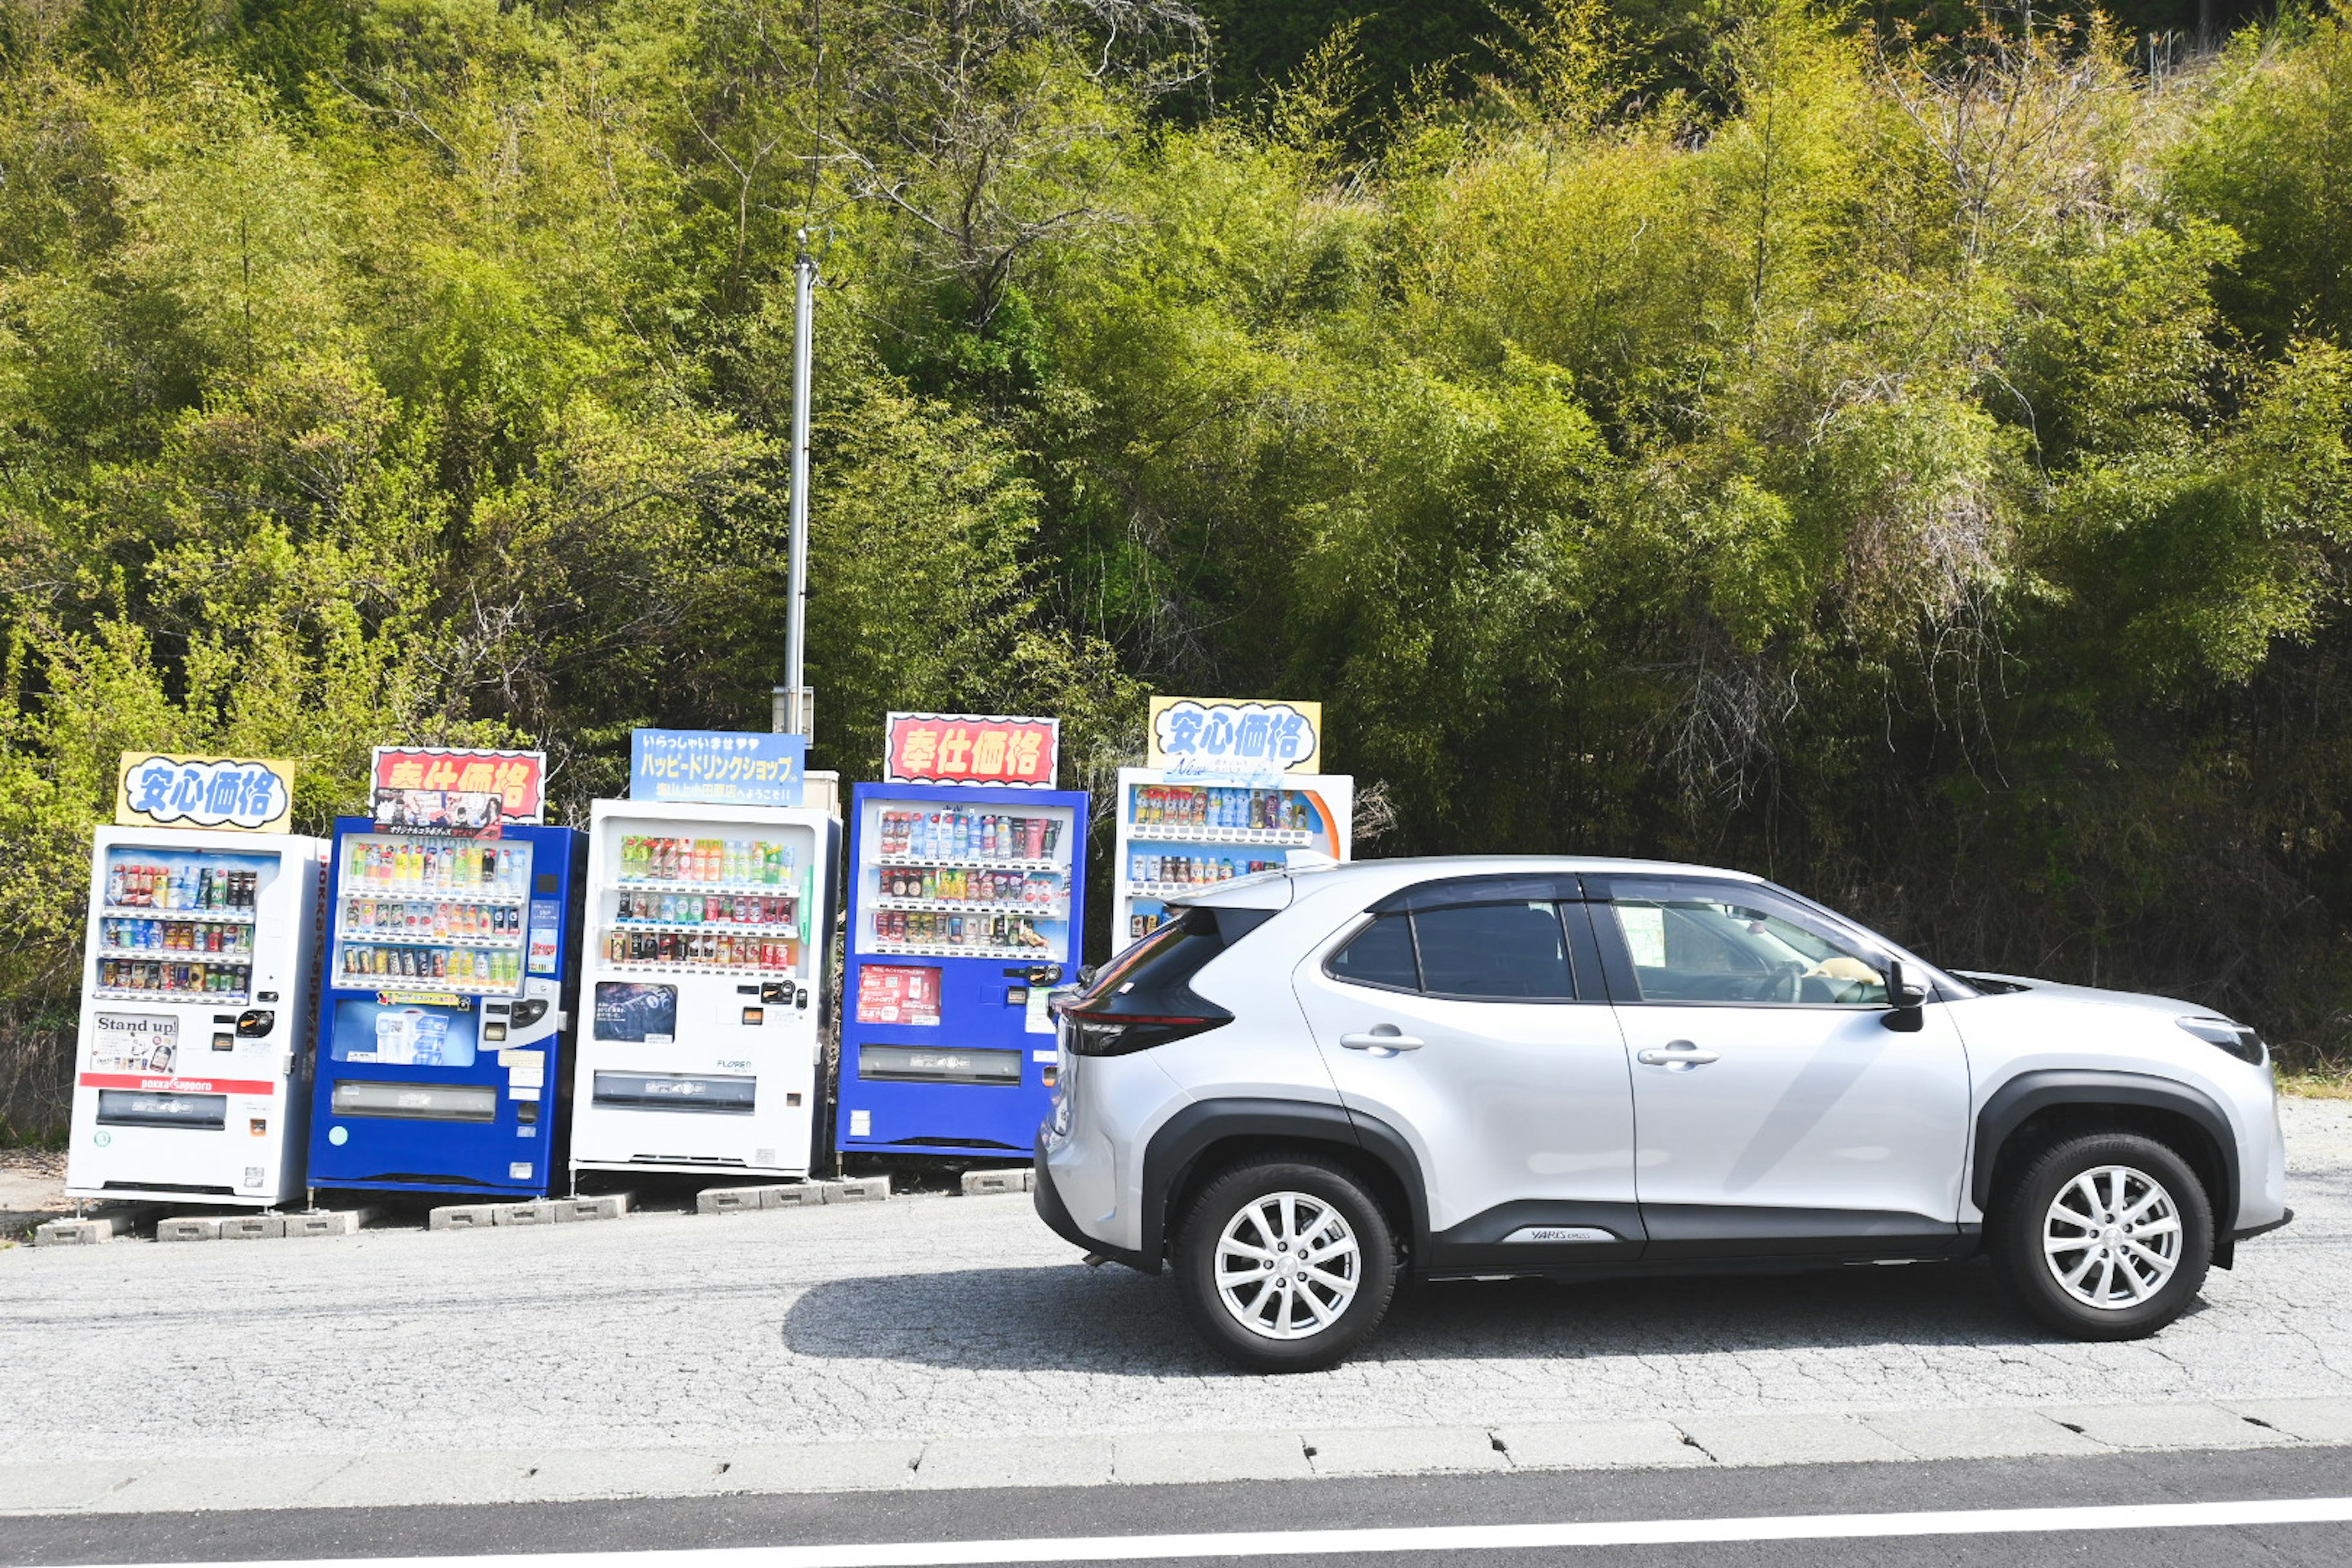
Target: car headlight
[2235, 1039]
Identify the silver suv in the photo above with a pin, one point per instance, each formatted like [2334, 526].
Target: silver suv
[1310, 1083]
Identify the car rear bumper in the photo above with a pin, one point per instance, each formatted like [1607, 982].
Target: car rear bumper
[1057, 1217]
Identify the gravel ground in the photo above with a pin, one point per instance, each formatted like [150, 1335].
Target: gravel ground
[935, 1316]
[32, 1189]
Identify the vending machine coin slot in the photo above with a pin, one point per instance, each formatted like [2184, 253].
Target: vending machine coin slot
[775, 990]
[253, 1025]
[530, 1012]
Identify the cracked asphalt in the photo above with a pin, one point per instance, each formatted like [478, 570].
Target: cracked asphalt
[935, 1316]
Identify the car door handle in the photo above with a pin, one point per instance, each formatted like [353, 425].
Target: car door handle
[1677, 1056]
[1384, 1038]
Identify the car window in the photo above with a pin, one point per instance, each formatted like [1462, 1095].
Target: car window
[1498, 952]
[1381, 955]
[1709, 943]
[1515, 950]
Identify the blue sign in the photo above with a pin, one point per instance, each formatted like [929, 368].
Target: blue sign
[717, 767]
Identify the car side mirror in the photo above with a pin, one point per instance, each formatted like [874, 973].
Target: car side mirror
[1904, 998]
[1086, 975]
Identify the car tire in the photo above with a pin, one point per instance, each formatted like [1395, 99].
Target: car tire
[1295, 1315]
[2103, 1237]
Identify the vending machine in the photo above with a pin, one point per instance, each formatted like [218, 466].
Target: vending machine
[451, 976]
[1178, 833]
[966, 907]
[198, 983]
[705, 987]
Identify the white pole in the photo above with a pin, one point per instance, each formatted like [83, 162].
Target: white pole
[794, 715]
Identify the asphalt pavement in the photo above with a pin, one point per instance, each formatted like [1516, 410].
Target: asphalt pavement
[1897, 1515]
[942, 1343]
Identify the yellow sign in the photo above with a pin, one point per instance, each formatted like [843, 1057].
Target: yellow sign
[1218, 736]
[249, 794]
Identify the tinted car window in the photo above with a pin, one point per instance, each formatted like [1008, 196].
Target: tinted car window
[1514, 950]
[1170, 956]
[1381, 955]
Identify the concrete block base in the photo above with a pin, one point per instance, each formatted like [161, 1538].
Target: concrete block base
[980, 1183]
[329, 1222]
[253, 1228]
[539, 1213]
[734, 1200]
[857, 1190]
[83, 1232]
[189, 1227]
[462, 1217]
[604, 1206]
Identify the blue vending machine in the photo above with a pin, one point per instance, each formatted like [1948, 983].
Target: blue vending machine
[966, 906]
[444, 1025]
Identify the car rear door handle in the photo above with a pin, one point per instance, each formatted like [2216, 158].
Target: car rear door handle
[1384, 1037]
[1677, 1056]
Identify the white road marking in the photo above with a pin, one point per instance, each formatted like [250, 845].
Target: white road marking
[1427, 1538]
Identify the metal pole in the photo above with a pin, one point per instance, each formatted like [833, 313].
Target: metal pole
[794, 716]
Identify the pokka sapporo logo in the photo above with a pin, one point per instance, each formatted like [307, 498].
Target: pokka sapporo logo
[252, 795]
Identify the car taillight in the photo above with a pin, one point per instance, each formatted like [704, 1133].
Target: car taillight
[1099, 1033]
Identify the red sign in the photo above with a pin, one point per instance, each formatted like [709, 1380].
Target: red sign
[897, 993]
[152, 1085]
[448, 790]
[966, 748]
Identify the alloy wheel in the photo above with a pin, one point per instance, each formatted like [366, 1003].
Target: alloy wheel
[2112, 1238]
[1287, 1265]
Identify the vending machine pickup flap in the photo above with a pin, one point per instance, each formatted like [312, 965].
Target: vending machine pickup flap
[138, 1108]
[417, 1102]
[675, 1091]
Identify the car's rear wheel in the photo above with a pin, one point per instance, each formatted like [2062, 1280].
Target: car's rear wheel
[1284, 1263]
[2103, 1236]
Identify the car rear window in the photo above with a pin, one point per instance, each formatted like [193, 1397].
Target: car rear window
[1166, 961]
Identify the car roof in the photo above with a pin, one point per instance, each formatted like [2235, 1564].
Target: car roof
[1298, 880]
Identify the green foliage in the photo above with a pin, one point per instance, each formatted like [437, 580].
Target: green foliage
[1917, 467]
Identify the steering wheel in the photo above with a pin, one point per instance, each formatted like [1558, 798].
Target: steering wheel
[1786, 984]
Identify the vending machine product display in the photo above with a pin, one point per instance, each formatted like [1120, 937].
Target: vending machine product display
[1178, 834]
[451, 975]
[705, 987]
[196, 997]
[966, 906]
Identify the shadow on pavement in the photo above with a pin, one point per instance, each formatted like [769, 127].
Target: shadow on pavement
[1069, 1318]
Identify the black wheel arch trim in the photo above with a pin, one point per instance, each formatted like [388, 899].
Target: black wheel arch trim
[2008, 1108]
[1176, 1148]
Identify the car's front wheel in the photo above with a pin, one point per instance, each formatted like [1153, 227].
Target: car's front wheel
[1284, 1263]
[2103, 1236]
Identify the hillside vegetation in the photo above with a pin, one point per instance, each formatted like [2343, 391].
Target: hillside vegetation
[1914, 469]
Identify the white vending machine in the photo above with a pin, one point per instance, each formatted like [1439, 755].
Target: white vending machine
[1181, 831]
[707, 988]
[198, 985]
